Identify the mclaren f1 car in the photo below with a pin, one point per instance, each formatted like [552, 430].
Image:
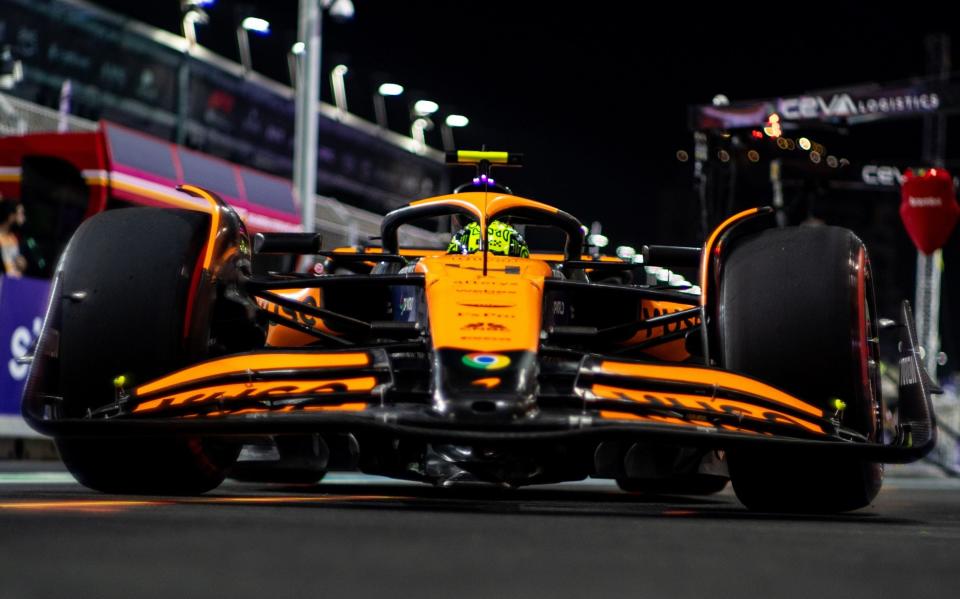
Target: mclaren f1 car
[163, 355]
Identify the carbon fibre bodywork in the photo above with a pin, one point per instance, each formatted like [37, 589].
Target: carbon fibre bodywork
[473, 351]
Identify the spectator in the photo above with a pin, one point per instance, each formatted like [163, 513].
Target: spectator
[11, 219]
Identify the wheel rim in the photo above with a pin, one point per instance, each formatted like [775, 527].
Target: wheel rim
[866, 346]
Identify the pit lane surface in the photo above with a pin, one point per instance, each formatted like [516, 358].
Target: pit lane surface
[363, 537]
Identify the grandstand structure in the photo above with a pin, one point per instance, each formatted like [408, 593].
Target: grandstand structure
[151, 81]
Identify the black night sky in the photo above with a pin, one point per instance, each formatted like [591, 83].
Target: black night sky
[595, 94]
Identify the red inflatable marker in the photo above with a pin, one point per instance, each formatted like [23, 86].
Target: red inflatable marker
[928, 207]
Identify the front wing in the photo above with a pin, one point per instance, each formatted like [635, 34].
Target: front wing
[304, 391]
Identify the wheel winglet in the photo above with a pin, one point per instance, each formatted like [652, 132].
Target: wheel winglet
[709, 266]
[916, 429]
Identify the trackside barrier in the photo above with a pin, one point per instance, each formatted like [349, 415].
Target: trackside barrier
[946, 454]
[23, 302]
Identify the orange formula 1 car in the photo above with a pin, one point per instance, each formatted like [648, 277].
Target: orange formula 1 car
[162, 355]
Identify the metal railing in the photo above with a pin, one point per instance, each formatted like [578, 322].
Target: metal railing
[20, 117]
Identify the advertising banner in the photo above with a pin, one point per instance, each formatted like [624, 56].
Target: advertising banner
[928, 207]
[851, 106]
[23, 302]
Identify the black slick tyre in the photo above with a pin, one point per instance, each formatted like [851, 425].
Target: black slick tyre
[126, 280]
[796, 310]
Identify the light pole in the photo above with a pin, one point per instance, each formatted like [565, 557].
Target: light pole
[308, 96]
[192, 13]
[293, 62]
[422, 109]
[339, 86]
[379, 101]
[248, 24]
[453, 121]
[418, 130]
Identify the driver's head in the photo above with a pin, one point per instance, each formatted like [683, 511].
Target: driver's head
[504, 240]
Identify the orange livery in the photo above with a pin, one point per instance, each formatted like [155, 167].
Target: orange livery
[163, 353]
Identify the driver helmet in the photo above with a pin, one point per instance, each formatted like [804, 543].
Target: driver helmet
[504, 240]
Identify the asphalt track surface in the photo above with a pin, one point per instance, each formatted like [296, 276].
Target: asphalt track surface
[363, 537]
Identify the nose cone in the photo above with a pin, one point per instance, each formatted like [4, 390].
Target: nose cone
[484, 386]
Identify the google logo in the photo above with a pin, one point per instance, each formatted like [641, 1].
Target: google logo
[486, 361]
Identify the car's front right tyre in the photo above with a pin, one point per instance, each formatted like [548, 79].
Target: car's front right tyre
[126, 284]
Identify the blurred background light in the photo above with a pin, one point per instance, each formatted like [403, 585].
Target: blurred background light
[390, 89]
[425, 107]
[256, 25]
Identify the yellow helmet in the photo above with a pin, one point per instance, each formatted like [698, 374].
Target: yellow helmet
[504, 240]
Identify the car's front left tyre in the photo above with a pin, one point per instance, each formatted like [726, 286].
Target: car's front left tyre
[796, 310]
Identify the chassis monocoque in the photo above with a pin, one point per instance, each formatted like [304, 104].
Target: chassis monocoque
[162, 355]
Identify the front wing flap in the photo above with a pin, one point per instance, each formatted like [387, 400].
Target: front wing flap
[294, 391]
